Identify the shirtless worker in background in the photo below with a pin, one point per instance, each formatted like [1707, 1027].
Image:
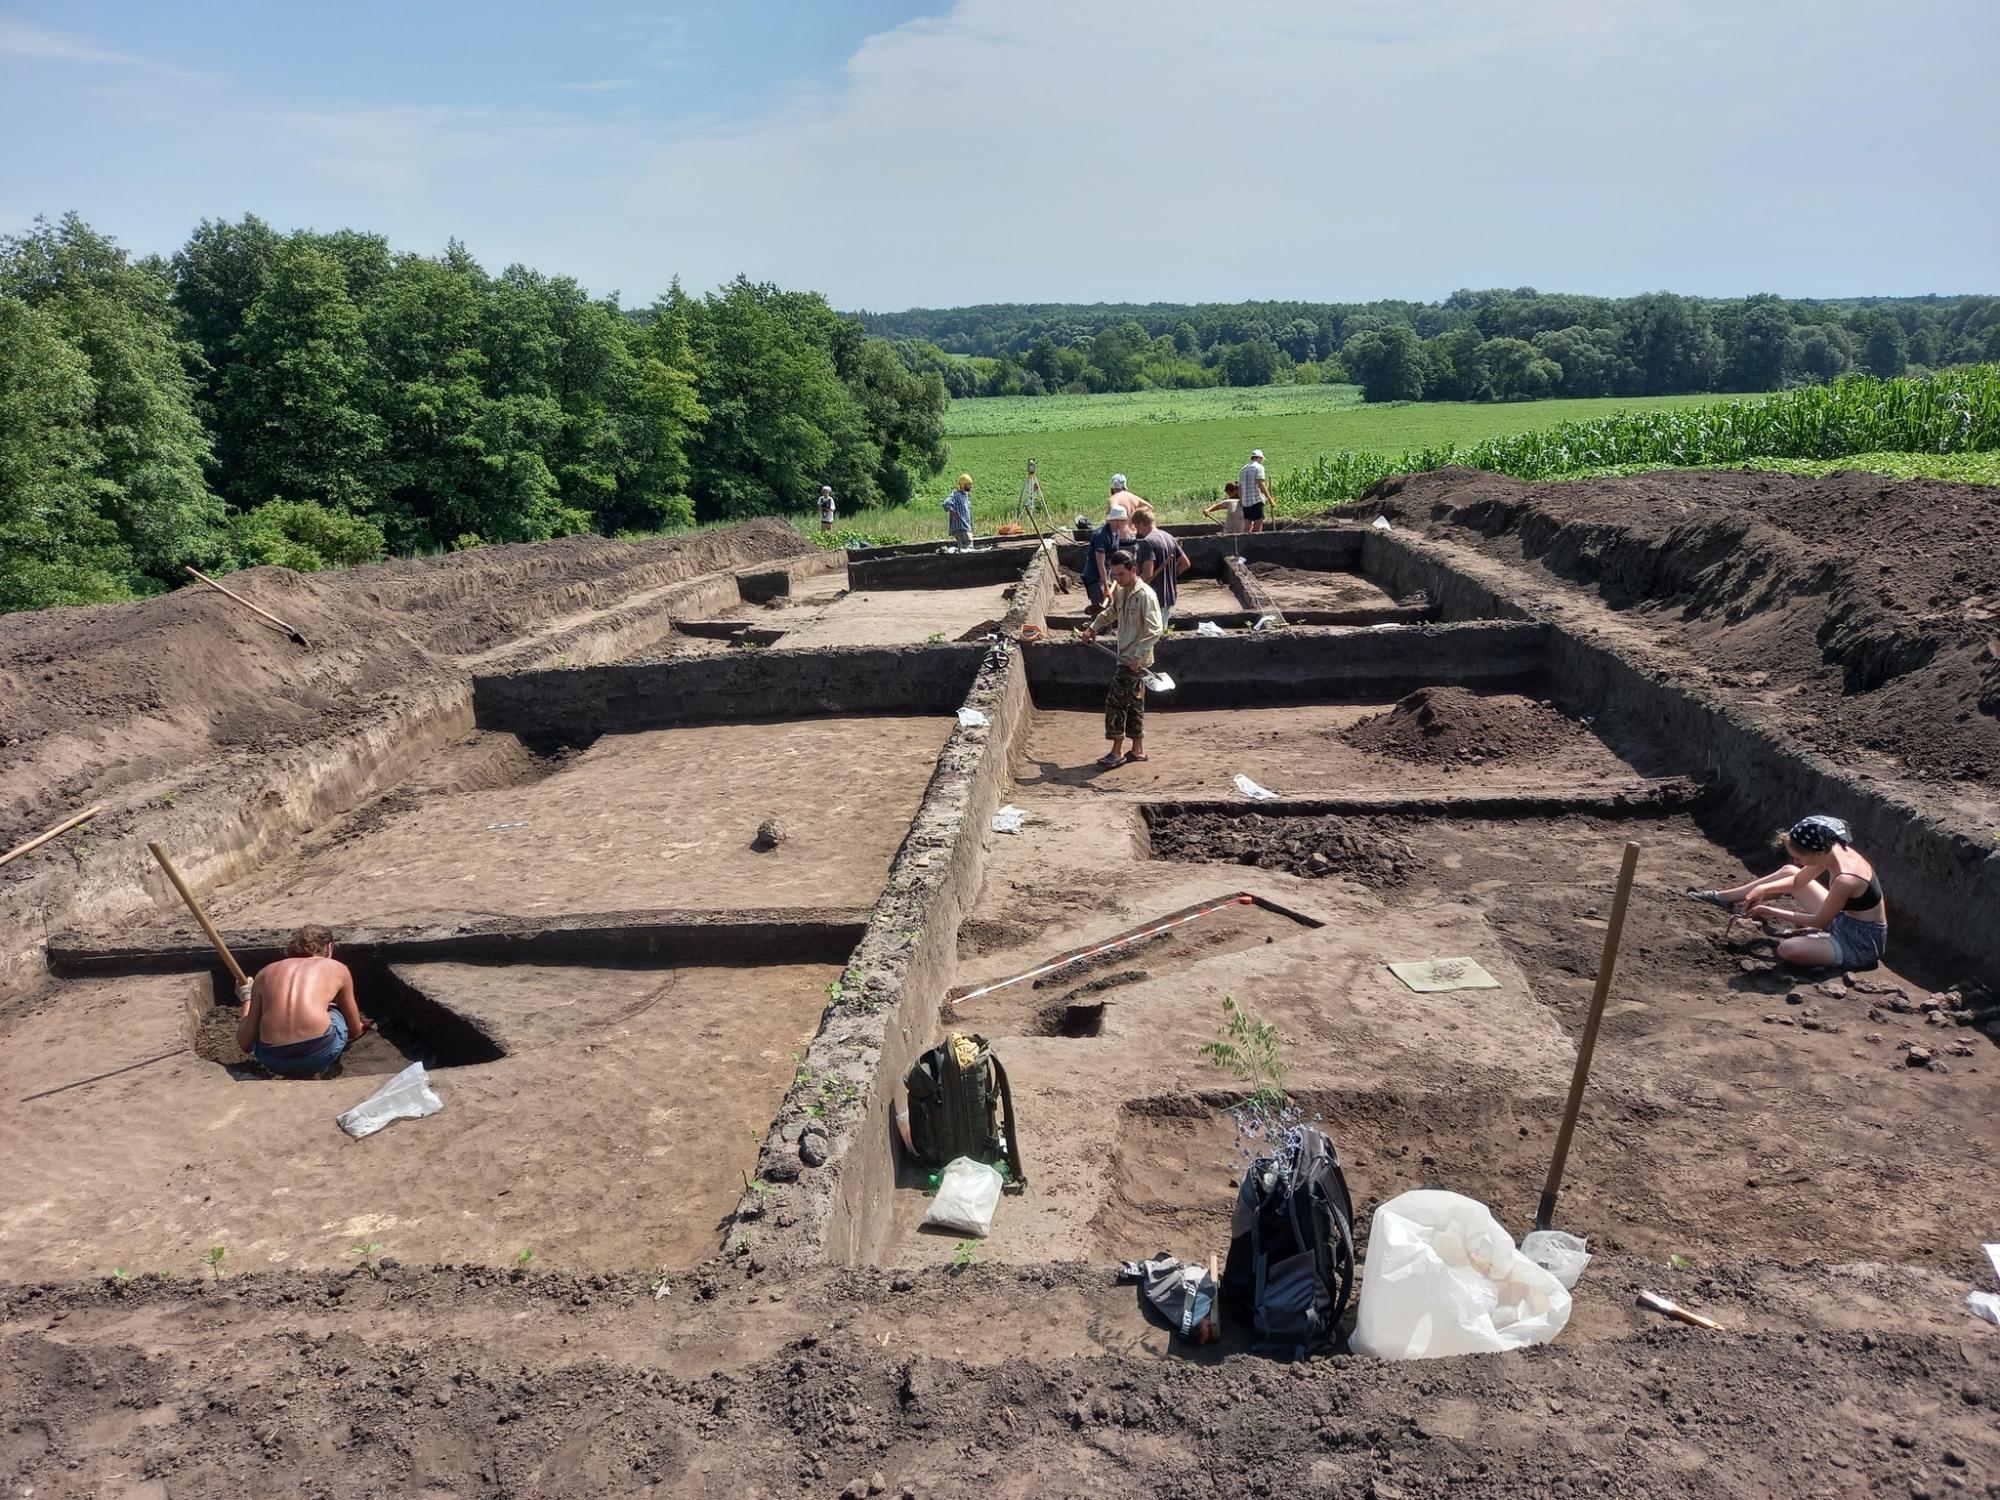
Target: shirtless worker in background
[299, 1013]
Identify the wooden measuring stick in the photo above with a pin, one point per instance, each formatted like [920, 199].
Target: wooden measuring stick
[1654, 1302]
[61, 828]
[1606, 963]
[289, 630]
[228, 958]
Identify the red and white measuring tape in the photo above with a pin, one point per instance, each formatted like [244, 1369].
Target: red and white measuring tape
[1118, 942]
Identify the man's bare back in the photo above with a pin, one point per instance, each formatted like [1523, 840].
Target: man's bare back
[290, 1001]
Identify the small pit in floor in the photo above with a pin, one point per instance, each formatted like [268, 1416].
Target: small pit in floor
[409, 1026]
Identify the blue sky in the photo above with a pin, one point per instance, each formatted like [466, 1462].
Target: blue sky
[988, 150]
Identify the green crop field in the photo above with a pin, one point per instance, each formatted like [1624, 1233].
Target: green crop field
[1176, 460]
[998, 416]
[1177, 448]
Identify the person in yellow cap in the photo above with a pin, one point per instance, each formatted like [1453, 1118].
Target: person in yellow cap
[958, 511]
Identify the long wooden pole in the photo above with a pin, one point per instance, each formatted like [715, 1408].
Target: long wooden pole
[289, 630]
[228, 958]
[61, 828]
[1606, 964]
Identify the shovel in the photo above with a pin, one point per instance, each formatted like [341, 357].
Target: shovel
[1156, 682]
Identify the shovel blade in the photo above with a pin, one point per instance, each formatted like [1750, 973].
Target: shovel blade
[1159, 682]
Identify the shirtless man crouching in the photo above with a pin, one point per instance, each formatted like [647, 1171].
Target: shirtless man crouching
[299, 1013]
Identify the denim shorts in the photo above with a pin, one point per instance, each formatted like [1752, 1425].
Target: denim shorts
[1858, 943]
[303, 1059]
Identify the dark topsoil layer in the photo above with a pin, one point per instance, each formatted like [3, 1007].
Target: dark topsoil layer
[1371, 850]
[93, 700]
[1857, 611]
[1452, 726]
[443, 1381]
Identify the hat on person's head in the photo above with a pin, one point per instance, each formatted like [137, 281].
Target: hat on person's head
[1818, 833]
[826, 489]
[965, 481]
[1116, 513]
[1258, 454]
[1117, 483]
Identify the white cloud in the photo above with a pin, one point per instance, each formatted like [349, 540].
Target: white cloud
[21, 42]
[1179, 150]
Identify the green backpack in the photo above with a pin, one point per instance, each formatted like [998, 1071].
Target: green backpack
[961, 1105]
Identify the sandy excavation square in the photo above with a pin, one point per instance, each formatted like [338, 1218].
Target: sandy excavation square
[614, 1134]
[659, 819]
[1304, 748]
[889, 617]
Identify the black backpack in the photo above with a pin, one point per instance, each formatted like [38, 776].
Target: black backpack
[963, 1107]
[1291, 1248]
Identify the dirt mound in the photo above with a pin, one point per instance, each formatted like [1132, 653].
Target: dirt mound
[1451, 726]
[1372, 851]
[1860, 612]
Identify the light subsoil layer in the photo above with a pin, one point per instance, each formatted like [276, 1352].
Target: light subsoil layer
[665, 818]
[613, 1134]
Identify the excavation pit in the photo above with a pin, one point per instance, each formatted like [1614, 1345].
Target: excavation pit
[612, 1127]
[664, 818]
[408, 1026]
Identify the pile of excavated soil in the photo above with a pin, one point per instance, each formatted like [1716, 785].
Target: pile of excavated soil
[1859, 612]
[1452, 726]
[1372, 851]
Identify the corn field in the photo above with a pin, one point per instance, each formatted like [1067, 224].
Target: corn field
[1953, 411]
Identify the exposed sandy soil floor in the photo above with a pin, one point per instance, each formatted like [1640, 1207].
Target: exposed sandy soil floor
[660, 819]
[613, 1133]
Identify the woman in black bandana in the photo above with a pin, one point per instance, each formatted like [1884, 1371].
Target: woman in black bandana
[1841, 920]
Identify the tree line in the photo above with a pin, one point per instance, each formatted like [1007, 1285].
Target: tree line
[313, 399]
[1473, 346]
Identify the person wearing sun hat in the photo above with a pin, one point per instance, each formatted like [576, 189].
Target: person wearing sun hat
[1256, 491]
[958, 511]
[1116, 532]
[1841, 920]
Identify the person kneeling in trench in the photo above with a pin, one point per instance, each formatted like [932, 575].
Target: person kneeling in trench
[1135, 609]
[299, 1013]
[1842, 924]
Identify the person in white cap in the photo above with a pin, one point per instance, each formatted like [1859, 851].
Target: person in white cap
[826, 507]
[1116, 532]
[1256, 491]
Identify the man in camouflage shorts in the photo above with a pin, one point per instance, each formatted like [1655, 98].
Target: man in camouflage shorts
[1135, 610]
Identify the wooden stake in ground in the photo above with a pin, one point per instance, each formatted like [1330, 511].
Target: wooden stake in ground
[1606, 964]
[228, 959]
[254, 609]
[56, 832]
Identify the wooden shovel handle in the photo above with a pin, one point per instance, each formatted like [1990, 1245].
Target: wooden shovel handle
[222, 948]
[61, 828]
[290, 630]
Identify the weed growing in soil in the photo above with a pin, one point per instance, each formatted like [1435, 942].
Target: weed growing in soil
[217, 1254]
[368, 1254]
[120, 1277]
[1249, 1049]
[967, 1254]
[521, 1258]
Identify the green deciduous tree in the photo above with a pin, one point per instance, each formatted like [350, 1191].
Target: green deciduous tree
[293, 402]
[1389, 364]
[148, 450]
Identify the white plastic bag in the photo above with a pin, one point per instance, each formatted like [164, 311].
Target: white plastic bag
[968, 1192]
[972, 718]
[1009, 819]
[1253, 791]
[1381, 523]
[1267, 622]
[407, 1096]
[1208, 627]
[1563, 1256]
[1442, 1277]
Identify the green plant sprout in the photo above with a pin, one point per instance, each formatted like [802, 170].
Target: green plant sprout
[1249, 1049]
[367, 1254]
[521, 1259]
[967, 1254]
[217, 1254]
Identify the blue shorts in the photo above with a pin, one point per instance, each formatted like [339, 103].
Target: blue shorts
[303, 1059]
[1859, 944]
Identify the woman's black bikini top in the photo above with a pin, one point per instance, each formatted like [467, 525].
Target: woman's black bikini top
[1868, 897]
